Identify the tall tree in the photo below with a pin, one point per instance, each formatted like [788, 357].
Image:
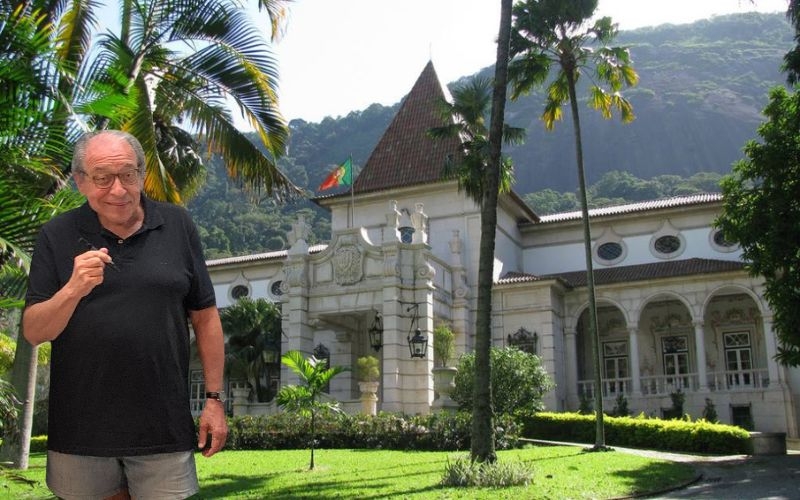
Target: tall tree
[760, 212]
[466, 117]
[551, 33]
[483, 173]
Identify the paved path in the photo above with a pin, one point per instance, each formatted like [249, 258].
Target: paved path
[737, 477]
[733, 477]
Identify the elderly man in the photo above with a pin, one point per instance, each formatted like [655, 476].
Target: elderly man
[114, 285]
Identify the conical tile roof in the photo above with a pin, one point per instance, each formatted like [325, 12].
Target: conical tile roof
[406, 155]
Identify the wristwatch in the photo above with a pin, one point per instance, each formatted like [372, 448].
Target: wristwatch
[215, 395]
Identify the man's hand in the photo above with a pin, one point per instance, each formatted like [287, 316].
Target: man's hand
[88, 270]
[213, 428]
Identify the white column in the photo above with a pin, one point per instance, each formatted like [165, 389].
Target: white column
[571, 358]
[700, 349]
[776, 374]
[636, 376]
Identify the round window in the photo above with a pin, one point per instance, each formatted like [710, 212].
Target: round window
[720, 240]
[275, 289]
[667, 244]
[609, 251]
[240, 291]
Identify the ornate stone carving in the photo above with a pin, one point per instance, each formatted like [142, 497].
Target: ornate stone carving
[348, 264]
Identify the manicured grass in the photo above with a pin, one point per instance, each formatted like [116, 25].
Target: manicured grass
[560, 472]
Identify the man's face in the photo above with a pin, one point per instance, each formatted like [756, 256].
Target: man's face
[111, 159]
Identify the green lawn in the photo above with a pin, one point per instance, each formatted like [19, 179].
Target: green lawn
[560, 472]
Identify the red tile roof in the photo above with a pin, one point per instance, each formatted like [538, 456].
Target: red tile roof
[405, 155]
[639, 272]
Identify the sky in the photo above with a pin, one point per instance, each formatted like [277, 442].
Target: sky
[338, 56]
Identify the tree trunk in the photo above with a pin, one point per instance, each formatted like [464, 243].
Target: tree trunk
[16, 447]
[483, 446]
[594, 334]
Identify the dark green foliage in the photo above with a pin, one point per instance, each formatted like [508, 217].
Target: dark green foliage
[710, 412]
[761, 213]
[441, 431]
[640, 432]
[586, 405]
[676, 410]
[253, 328]
[620, 407]
[518, 381]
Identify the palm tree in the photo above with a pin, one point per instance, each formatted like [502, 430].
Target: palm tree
[170, 76]
[466, 118]
[483, 173]
[305, 399]
[254, 329]
[32, 148]
[553, 33]
[186, 61]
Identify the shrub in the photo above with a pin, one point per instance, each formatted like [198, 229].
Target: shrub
[518, 381]
[38, 444]
[620, 407]
[367, 369]
[443, 344]
[710, 412]
[463, 472]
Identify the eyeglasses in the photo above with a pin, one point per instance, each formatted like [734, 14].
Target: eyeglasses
[104, 181]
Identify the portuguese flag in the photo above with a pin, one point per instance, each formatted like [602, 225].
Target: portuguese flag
[342, 175]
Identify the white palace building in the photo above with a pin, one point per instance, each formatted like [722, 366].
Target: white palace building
[677, 310]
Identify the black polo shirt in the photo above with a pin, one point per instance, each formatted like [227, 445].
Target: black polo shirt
[119, 376]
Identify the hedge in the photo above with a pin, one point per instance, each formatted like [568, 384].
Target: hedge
[640, 432]
[435, 432]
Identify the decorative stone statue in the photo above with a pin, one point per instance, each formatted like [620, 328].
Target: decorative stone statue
[420, 223]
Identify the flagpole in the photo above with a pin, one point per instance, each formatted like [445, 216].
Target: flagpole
[352, 198]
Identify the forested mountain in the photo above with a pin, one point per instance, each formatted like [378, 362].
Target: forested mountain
[702, 89]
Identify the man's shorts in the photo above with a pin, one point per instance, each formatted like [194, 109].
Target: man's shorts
[159, 476]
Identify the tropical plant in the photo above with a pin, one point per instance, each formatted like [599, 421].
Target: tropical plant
[550, 33]
[306, 399]
[481, 175]
[443, 344]
[22, 213]
[9, 408]
[176, 61]
[519, 381]
[466, 117]
[169, 74]
[760, 213]
[367, 369]
[253, 327]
